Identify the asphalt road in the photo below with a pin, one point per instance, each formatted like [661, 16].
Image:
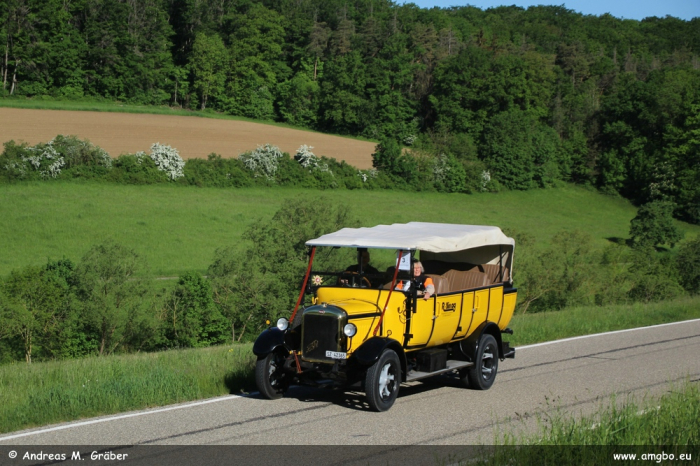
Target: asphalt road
[574, 375]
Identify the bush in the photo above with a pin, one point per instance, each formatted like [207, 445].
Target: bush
[263, 161]
[192, 319]
[63, 156]
[688, 264]
[217, 172]
[654, 277]
[449, 174]
[654, 226]
[136, 169]
[167, 159]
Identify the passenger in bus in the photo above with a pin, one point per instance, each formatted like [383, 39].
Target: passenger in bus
[420, 280]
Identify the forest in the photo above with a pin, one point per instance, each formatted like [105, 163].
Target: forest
[521, 98]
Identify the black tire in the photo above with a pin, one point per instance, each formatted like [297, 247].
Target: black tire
[383, 380]
[270, 377]
[483, 374]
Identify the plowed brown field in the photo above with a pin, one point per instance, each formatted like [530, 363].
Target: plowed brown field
[194, 137]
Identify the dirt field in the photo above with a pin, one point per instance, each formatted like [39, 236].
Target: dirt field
[194, 137]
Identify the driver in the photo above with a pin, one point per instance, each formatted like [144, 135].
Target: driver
[366, 268]
[421, 281]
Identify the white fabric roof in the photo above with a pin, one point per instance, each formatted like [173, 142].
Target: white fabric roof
[432, 237]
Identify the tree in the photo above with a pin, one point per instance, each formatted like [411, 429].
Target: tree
[208, 64]
[35, 303]
[192, 319]
[654, 225]
[110, 294]
[688, 264]
[521, 152]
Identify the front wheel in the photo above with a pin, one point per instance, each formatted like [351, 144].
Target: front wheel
[270, 377]
[482, 375]
[382, 381]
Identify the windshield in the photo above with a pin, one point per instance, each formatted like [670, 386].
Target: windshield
[354, 267]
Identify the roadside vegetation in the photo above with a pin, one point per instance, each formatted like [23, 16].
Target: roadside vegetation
[55, 391]
[49, 392]
[652, 429]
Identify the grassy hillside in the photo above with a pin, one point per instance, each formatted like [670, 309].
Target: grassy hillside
[178, 229]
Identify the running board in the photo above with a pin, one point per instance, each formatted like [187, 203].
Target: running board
[452, 365]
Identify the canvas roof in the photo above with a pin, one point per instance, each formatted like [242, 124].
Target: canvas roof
[432, 237]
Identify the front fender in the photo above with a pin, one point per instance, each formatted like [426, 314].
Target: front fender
[369, 352]
[268, 341]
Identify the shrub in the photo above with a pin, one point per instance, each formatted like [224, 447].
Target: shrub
[263, 161]
[654, 225]
[305, 157]
[77, 152]
[136, 169]
[688, 264]
[167, 159]
[449, 174]
[192, 319]
[654, 277]
[216, 171]
[63, 156]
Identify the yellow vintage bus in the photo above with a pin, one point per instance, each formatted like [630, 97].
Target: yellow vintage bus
[442, 307]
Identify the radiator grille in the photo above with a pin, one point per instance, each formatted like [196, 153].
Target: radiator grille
[320, 334]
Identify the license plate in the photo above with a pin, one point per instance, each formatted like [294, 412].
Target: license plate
[336, 355]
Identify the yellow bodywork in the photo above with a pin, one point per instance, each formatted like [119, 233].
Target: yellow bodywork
[438, 320]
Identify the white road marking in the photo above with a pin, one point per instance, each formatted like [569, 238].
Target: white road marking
[604, 333]
[231, 397]
[122, 416]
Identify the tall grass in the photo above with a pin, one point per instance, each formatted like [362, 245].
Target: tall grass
[669, 425]
[178, 229]
[43, 393]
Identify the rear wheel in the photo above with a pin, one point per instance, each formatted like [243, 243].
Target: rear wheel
[382, 381]
[482, 375]
[270, 377]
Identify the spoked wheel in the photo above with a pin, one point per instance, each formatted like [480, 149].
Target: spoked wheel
[270, 378]
[383, 380]
[482, 375]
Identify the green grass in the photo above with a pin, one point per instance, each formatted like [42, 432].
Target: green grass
[90, 105]
[571, 322]
[50, 392]
[655, 427]
[177, 229]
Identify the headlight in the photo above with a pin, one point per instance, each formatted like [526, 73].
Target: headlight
[350, 330]
[282, 323]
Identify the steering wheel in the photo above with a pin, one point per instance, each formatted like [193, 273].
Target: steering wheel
[350, 279]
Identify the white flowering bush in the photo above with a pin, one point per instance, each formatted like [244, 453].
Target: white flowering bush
[305, 157]
[45, 159]
[49, 160]
[485, 180]
[366, 175]
[167, 159]
[441, 168]
[308, 159]
[78, 152]
[263, 161]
